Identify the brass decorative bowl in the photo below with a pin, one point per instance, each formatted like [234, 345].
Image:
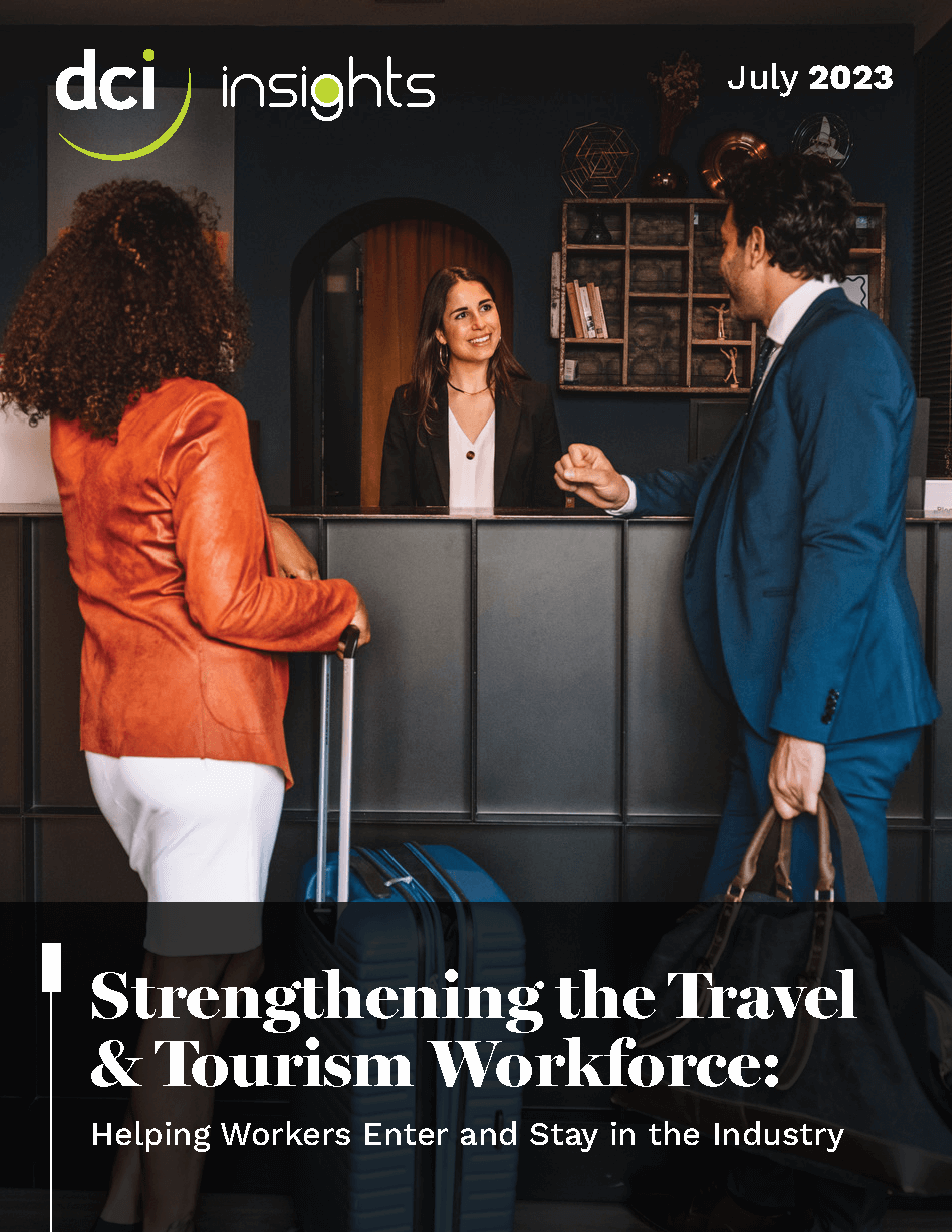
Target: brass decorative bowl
[725, 152]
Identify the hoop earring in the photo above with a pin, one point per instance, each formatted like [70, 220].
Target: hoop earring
[444, 356]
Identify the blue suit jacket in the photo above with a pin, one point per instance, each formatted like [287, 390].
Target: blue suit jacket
[818, 627]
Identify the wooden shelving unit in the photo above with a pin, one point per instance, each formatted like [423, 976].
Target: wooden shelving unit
[660, 289]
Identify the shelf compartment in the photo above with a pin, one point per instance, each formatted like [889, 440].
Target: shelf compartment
[598, 362]
[578, 219]
[656, 225]
[710, 367]
[607, 272]
[658, 272]
[704, 319]
[707, 252]
[869, 227]
[657, 337]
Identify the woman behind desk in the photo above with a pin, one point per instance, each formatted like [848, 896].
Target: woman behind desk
[124, 337]
[470, 430]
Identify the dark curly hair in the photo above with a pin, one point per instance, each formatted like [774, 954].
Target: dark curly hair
[133, 293]
[805, 208]
[428, 373]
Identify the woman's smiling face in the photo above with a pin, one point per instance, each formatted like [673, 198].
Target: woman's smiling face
[471, 327]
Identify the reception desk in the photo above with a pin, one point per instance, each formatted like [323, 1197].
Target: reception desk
[530, 695]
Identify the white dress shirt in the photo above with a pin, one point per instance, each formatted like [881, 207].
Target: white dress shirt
[471, 466]
[781, 326]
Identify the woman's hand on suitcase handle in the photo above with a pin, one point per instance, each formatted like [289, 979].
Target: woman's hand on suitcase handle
[360, 621]
[796, 773]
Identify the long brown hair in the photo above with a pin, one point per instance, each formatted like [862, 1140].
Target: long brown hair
[428, 373]
[133, 293]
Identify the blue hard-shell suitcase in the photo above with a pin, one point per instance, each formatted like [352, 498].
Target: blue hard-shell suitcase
[415, 916]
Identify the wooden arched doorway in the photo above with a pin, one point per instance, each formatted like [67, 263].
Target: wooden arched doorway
[356, 292]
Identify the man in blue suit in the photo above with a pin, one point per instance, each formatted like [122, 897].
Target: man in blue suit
[795, 578]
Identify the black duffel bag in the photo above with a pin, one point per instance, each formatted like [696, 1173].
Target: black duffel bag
[882, 1077]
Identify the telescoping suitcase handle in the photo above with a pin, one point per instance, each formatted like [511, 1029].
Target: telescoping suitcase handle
[349, 637]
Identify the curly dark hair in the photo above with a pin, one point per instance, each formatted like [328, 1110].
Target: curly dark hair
[134, 292]
[805, 208]
[427, 372]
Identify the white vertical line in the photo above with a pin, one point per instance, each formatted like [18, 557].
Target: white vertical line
[51, 980]
[51, 1112]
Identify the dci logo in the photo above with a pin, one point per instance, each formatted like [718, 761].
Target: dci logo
[78, 87]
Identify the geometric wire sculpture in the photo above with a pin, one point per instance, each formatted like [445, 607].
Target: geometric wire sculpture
[598, 160]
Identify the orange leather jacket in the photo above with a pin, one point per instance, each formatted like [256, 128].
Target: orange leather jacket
[186, 619]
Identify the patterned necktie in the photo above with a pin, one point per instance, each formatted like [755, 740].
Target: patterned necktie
[767, 348]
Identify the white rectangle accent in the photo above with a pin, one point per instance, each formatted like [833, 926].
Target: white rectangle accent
[938, 497]
[51, 967]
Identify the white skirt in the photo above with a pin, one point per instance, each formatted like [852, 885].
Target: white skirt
[197, 831]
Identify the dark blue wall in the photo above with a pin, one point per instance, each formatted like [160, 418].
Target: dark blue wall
[490, 147]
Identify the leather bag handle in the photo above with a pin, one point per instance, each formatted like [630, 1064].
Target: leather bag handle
[826, 870]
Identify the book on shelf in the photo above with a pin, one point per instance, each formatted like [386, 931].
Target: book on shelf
[572, 296]
[555, 287]
[598, 312]
[588, 321]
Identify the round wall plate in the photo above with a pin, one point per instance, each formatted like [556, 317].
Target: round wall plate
[725, 152]
[824, 135]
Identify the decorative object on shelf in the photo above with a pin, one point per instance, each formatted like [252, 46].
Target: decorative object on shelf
[665, 178]
[678, 87]
[731, 378]
[598, 232]
[824, 135]
[725, 152]
[722, 311]
[598, 160]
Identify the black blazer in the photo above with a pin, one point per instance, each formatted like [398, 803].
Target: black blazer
[415, 467]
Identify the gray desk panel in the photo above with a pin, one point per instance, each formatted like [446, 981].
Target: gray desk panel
[300, 716]
[11, 664]
[412, 733]
[680, 734]
[59, 774]
[907, 802]
[80, 860]
[666, 862]
[548, 654]
[941, 887]
[907, 866]
[917, 565]
[11, 860]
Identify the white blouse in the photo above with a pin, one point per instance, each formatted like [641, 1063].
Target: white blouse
[471, 466]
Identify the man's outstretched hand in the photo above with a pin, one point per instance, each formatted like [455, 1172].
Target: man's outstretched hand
[586, 471]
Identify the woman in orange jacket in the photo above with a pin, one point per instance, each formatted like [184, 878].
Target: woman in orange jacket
[125, 336]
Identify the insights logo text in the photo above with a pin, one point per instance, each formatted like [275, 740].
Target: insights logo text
[325, 96]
